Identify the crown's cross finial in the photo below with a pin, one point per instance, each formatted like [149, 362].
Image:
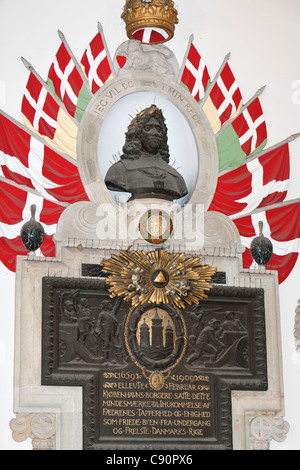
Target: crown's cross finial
[150, 21]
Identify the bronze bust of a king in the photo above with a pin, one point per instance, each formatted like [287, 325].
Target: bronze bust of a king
[144, 169]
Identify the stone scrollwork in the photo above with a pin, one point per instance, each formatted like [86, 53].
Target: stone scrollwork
[40, 427]
[220, 232]
[263, 429]
[140, 58]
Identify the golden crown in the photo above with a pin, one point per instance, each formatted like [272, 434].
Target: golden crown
[142, 14]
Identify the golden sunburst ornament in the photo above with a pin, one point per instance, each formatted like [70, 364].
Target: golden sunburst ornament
[157, 277]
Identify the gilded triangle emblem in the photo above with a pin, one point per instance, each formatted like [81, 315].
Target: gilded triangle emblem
[160, 278]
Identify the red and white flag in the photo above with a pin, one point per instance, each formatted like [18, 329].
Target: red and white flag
[245, 136]
[282, 227]
[260, 182]
[25, 160]
[65, 79]
[95, 63]
[42, 114]
[224, 101]
[150, 35]
[40, 108]
[250, 127]
[15, 211]
[195, 76]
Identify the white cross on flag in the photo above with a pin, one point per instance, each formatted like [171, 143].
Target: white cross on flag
[260, 182]
[15, 211]
[65, 80]
[40, 108]
[25, 160]
[250, 127]
[43, 115]
[245, 136]
[224, 100]
[282, 227]
[95, 64]
[195, 76]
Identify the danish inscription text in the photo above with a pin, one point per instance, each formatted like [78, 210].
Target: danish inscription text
[130, 407]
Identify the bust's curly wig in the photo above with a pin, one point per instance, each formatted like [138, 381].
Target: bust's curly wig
[133, 146]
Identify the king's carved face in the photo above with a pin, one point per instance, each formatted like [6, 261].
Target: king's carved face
[152, 137]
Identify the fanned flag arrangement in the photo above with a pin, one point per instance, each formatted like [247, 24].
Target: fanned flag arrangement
[38, 161]
[256, 180]
[65, 79]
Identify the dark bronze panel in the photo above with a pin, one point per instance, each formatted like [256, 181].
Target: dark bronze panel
[153, 377]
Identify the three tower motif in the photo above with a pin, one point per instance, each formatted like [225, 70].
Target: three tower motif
[156, 339]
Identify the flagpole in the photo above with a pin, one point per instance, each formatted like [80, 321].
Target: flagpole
[277, 205]
[38, 137]
[207, 93]
[101, 31]
[264, 152]
[32, 191]
[79, 70]
[290, 139]
[245, 106]
[191, 39]
[39, 78]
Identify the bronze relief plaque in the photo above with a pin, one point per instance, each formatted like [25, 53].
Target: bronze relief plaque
[153, 377]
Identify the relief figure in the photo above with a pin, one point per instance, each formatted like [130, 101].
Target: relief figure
[88, 332]
[107, 331]
[221, 341]
[207, 342]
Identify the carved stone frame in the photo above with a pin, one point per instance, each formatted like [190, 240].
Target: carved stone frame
[107, 97]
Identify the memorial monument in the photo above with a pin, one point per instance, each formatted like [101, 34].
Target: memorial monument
[151, 335]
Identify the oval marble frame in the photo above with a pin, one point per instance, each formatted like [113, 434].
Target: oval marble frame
[108, 96]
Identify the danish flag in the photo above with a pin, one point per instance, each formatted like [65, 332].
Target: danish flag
[40, 108]
[245, 136]
[25, 160]
[226, 95]
[95, 63]
[258, 183]
[195, 75]
[250, 127]
[66, 79]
